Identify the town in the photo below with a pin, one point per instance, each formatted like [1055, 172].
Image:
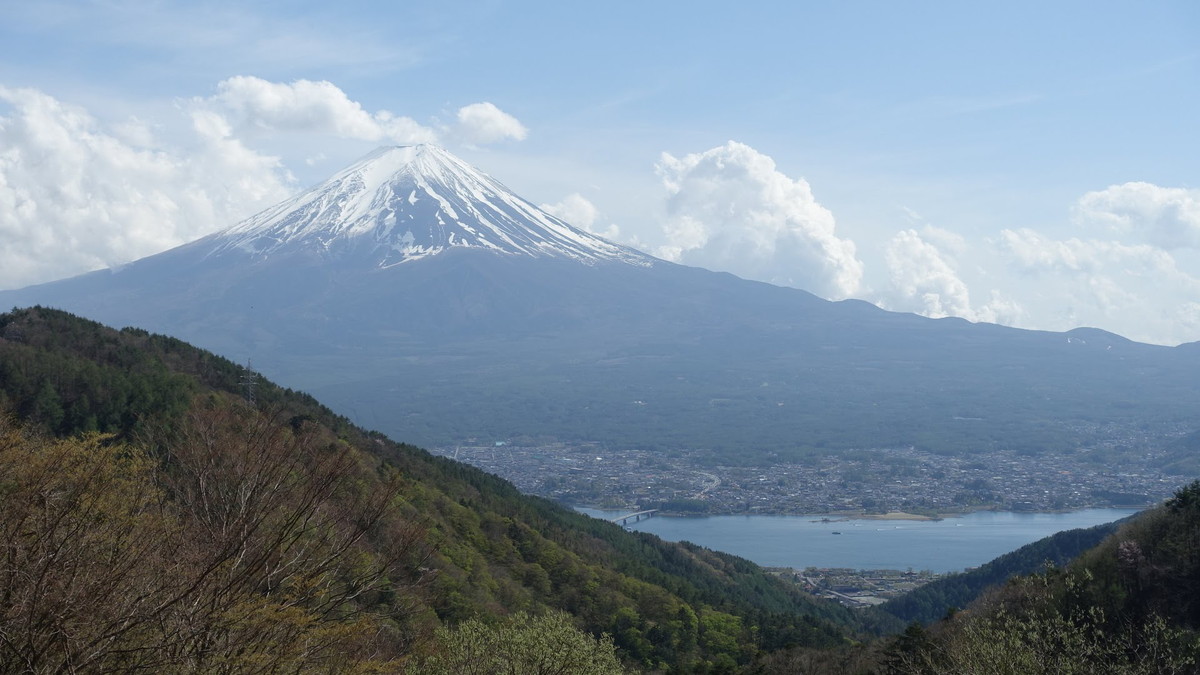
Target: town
[856, 588]
[864, 481]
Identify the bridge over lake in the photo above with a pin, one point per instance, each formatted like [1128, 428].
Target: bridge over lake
[624, 520]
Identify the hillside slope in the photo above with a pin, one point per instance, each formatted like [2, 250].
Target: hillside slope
[1128, 605]
[419, 540]
[948, 594]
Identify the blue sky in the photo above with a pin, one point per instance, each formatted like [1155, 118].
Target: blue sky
[1024, 163]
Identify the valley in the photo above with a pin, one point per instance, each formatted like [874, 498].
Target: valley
[668, 338]
[425, 303]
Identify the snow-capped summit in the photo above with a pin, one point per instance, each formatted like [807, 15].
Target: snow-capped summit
[399, 204]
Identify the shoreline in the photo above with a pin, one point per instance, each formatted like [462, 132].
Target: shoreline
[899, 515]
[846, 516]
[890, 515]
[951, 545]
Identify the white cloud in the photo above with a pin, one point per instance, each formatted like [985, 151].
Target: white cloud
[924, 279]
[576, 210]
[312, 107]
[1033, 252]
[319, 107]
[951, 243]
[730, 209]
[482, 123]
[77, 195]
[1166, 217]
[1137, 290]
[1126, 282]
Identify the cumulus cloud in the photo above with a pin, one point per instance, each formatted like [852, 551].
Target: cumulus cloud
[1033, 252]
[730, 209]
[1165, 217]
[77, 195]
[483, 123]
[924, 279]
[576, 210]
[308, 106]
[1137, 289]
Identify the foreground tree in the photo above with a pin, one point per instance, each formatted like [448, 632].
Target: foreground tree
[236, 544]
[522, 645]
[85, 538]
[1058, 622]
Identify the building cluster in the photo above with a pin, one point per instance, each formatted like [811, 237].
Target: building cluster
[856, 588]
[882, 480]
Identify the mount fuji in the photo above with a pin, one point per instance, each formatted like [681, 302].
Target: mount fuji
[401, 204]
[424, 299]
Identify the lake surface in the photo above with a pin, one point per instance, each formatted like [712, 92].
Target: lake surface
[948, 545]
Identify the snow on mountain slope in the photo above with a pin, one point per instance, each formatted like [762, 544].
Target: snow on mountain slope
[400, 204]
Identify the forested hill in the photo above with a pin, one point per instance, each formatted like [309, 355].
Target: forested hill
[165, 512]
[1128, 605]
[953, 592]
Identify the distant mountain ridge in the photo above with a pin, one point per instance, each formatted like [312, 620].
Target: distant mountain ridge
[422, 298]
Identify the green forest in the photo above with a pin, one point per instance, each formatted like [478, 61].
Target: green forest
[162, 511]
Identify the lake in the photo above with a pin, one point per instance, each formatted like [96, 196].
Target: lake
[948, 545]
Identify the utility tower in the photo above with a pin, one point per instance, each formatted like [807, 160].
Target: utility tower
[249, 382]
